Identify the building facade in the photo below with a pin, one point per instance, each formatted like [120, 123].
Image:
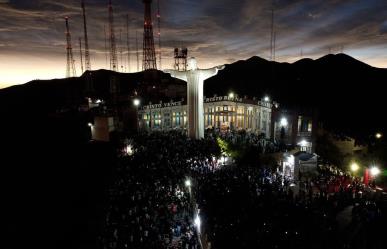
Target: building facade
[294, 128]
[220, 112]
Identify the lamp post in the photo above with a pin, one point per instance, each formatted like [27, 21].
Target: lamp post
[284, 122]
[188, 183]
[354, 167]
[375, 171]
[136, 103]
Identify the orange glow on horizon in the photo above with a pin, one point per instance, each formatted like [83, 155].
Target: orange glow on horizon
[15, 70]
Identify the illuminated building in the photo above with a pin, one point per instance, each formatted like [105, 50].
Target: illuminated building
[220, 112]
[295, 128]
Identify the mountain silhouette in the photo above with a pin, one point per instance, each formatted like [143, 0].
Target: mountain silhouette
[56, 180]
[348, 93]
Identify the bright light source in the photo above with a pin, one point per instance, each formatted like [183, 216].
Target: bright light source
[90, 124]
[129, 150]
[197, 222]
[188, 183]
[375, 171]
[267, 99]
[354, 167]
[303, 143]
[378, 135]
[231, 95]
[284, 122]
[136, 102]
[98, 101]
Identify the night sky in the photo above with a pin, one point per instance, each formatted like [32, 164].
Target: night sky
[32, 39]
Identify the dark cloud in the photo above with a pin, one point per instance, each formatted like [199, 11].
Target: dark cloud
[214, 31]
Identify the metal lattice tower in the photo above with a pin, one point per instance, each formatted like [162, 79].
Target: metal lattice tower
[121, 52]
[113, 47]
[81, 53]
[70, 69]
[137, 53]
[106, 49]
[180, 56]
[149, 54]
[128, 41]
[87, 52]
[272, 35]
[159, 31]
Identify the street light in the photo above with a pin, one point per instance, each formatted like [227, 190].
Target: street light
[231, 95]
[136, 102]
[284, 122]
[267, 99]
[375, 171]
[90, 124]
[354, 167]
[378, 135]
[303, 143]
[188, 183]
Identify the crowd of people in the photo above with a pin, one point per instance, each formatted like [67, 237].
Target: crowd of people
[254, 208]
[245, 138]
[151, 202]
[168, 179]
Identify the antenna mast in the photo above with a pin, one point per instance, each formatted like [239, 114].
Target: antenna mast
[106, 50]
[149, 54]
[127, 41]
[70, 69]
[137, 53]
[121, 52]
[87, 52]
[113, 47]
[159, 31]
[80, 53]
[272, 34]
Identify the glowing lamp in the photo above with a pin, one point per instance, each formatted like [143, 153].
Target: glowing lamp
[303, 143]
[136, 102]
[354, 167]
[284, 122]
[375, 171]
